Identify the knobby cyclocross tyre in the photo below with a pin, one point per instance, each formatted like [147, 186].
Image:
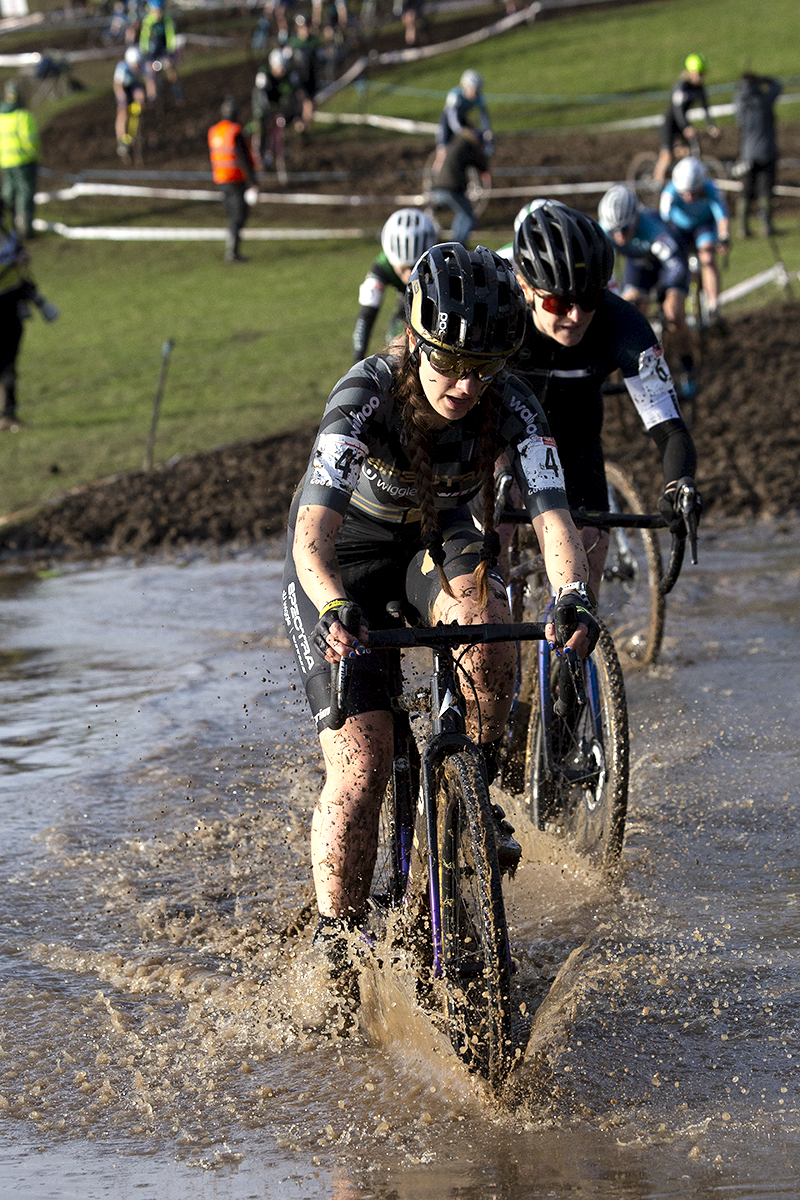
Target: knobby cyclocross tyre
[476, 962]
[630, 599]
[584, 797]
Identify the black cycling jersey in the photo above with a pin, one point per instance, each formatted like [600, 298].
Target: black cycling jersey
[360, 468]
[360, 461]
[685, 95]
[567, 380]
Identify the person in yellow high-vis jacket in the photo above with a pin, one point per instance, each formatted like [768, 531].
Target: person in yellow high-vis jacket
[19, 158]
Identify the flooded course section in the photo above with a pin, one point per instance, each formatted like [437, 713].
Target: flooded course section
[165, 1027]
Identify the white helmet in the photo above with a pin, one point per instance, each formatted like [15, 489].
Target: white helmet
[277, 61]
[133, 56]
[472, 80]
[407, 234]
[532, 206]
[689, 175]
[618, 208]
[261, 79]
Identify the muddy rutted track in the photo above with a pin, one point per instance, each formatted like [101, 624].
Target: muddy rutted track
[746, 433]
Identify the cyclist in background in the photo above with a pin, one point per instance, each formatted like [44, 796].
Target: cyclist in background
[695, 211]
[158, 46]
[653, 259]
[577, 333]
[129, 88]
[408, 438]
[688, 92]
[455, 116]
[407, 234]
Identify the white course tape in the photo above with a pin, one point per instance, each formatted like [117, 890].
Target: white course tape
[132, 190]
[777, 274]
[113, 233]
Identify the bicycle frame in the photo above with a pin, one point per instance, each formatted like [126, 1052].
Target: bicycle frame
[448, 736]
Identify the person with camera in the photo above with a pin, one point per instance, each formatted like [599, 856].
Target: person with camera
[16, 289]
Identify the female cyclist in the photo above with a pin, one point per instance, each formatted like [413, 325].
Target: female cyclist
[577, 333]
[408, 438]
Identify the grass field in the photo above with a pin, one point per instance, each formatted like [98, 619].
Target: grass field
[258, 347]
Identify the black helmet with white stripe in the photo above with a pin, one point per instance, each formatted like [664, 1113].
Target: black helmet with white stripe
[563, 251]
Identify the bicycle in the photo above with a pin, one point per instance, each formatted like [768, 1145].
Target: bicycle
[566, 747]
[438, 864]
[640, 175]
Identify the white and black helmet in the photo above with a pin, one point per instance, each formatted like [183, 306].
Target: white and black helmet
[133, 57]
[618, 208]
[689, 175]
[407, 234]
[472, 80]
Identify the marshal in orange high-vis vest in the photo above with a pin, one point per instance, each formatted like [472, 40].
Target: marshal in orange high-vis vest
[224, 160]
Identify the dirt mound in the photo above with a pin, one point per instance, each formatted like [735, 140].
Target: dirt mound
[746, 433]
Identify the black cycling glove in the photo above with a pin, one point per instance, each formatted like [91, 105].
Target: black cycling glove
[342, 610]
[678, 500]
[570, 611]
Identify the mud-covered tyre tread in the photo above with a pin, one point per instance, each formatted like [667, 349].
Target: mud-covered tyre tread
[478, 1009]
[598, 833]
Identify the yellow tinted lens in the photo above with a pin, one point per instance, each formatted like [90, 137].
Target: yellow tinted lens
[457, 365]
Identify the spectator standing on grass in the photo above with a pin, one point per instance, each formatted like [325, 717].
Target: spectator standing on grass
[754, 109]
[19, 158]
[407, 234]
[15, 290]
[450, 181]
[234, 172]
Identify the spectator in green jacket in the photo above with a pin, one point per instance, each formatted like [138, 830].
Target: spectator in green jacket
[19, 158]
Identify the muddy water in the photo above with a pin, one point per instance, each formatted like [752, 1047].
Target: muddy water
[165, 1030]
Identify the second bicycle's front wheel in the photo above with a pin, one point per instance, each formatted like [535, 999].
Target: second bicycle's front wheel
[631, 601]
[577, 765]
[475, 950]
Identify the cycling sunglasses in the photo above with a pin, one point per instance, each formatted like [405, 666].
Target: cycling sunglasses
[458, 366]
[560, 306]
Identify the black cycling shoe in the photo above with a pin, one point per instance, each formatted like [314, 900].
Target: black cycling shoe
[509, 851]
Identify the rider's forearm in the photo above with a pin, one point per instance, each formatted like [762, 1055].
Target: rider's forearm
[564, 556]
[676, 448]
[314, 552]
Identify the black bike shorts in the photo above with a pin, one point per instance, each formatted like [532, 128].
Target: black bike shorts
[379, 564]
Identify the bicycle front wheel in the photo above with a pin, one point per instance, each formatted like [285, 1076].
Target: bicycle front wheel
[577, 765]
[475, 952]
[631, 600]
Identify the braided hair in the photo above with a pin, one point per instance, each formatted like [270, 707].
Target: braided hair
[418, 420]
